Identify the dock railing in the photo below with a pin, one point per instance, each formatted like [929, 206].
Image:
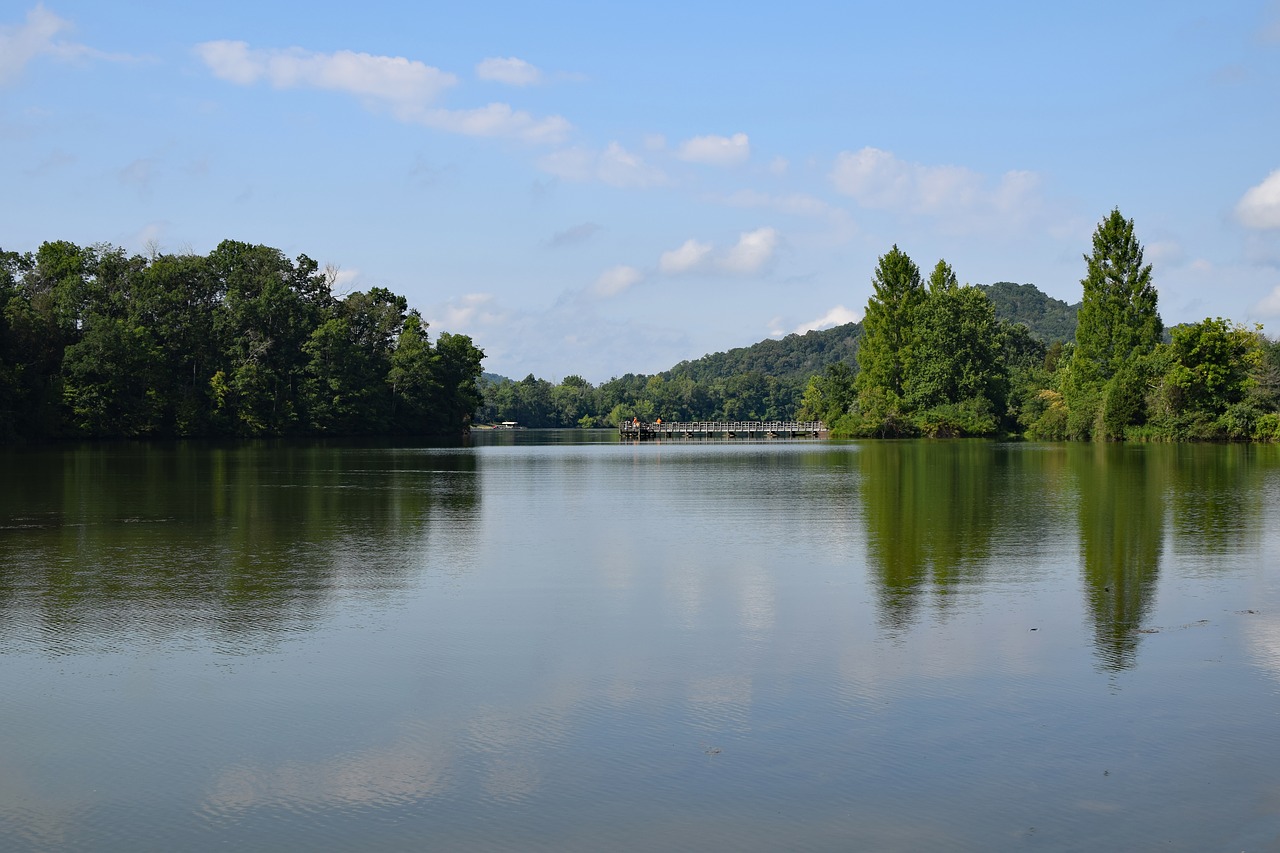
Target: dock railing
[721, 429]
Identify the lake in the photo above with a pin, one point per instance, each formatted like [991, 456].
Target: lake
[558, 641]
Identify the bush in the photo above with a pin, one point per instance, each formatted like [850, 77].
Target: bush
[971, 417]
[1267, 427]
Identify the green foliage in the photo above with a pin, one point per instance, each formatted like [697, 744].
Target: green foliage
[1103, 382]
[1047, 319]
[933, 361]
[791, 359]
[889, 328]
[958, 354]
[972, 416]
[243, 341]
[942, 359]
[1213, 381]
[1118, 320]
[829, 395]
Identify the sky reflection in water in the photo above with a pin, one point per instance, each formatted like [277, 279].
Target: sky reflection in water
[545, 643]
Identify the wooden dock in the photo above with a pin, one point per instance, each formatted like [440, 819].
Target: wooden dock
[722, 429]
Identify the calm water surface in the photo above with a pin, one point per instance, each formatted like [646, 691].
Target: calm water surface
[554, 641]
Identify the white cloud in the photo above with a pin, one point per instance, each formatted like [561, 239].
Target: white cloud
[617, 279]
[1260, 206]
[614, 166]
[779, 166]
[1165, 252]
[402, 83]
[753, 251]
[406, 87]
[879, 180]
[837, 316]
[689, 256]
[344, 281]
[497, 120]
[512, 71]
[655, 141]
[716, 150]
[22, 43]
[797, 204]
[469, 314]
[1269, 306]
[751, 254]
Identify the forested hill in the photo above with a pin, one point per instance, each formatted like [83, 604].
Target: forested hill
[1048, 319]
[795, 357]
[763, 381]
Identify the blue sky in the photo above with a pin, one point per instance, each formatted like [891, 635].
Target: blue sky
[601, 188]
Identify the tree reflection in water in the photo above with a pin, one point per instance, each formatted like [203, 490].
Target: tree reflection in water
[246, 542]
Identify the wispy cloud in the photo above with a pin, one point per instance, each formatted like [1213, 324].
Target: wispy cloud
[615, 166]
[879, 180]
[837, 316]
[407, 88]
[752, 253]
[512, 71]
[1269, 306]
[498, 120]
[36, 37]
[716, 150]
[138, 174]
[617, 279]
[1260, 206]
[402, 83]
[573, 236]
[691, 255]
[1165, 252]
[468, 313]
[794, 204]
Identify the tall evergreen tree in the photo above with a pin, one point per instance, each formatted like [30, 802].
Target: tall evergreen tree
[1118, 320]
[1118, 329]
[888, 329]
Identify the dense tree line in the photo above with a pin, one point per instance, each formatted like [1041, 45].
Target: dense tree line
[240, 342]
[936, 360]
[764, 381]
[534, 402]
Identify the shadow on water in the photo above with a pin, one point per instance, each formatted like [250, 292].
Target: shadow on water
[246, 542]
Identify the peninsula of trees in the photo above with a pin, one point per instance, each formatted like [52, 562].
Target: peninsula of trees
[935, 361]
[934, 358]
[239, 342]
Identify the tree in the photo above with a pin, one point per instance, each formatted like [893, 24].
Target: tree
[1118, 326]
[889, 325]
[829, 395]
[957, 354]
[458, 372]
[412, 377]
